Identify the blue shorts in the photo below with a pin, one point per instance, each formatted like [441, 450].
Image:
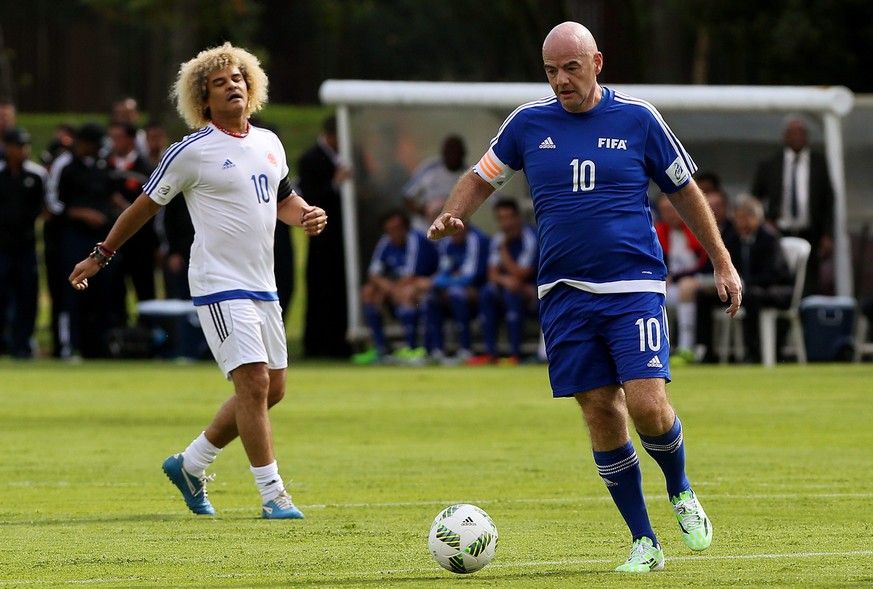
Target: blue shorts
[595, 340]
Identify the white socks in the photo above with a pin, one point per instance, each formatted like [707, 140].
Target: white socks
[687, 324]
[269, 482]
[198, 455]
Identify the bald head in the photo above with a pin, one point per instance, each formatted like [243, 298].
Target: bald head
[570, 35]
[572, 63]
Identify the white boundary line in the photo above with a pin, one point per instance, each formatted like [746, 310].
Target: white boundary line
[435, 570]
[598, 498]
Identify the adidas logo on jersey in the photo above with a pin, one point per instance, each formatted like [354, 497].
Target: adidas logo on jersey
[228, 165]
[654, 363]
[548, 144]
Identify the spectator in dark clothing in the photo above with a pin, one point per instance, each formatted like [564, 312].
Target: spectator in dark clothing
[130, 170]
[795, 189]
[81, 191]
[22, 193]
[758, 257]
[321, 174]
[173, 223]
[52, 231]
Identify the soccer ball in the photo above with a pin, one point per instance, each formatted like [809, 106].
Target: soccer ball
[462, 538]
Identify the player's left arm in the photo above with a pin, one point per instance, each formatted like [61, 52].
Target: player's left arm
[695, 211]
[295, 211]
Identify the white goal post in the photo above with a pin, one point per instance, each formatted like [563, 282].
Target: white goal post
[830, 103]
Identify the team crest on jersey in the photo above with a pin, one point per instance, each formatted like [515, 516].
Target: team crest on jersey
[272, 158]
[677, 172]
[611, 143]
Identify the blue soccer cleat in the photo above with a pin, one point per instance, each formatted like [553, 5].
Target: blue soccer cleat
[281, 508]
[193, 488]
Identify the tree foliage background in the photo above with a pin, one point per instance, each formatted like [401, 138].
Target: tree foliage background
[81, 54]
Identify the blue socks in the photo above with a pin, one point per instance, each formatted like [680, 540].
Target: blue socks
[408, 317]
[373, 316]
[620, 470]
[668, 450]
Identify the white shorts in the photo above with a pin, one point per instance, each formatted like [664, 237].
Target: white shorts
[244, 331]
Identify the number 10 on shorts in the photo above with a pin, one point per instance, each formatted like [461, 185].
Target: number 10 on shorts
[650, 334]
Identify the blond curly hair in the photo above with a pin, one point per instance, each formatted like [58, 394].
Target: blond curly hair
[190, 90]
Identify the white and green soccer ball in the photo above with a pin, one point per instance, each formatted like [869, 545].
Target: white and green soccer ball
[462, 538]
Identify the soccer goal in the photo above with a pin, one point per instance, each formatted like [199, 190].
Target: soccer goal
[387, 128]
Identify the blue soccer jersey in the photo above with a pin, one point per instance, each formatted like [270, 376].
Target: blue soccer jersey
[524, 250]
[464, 263]
[589, 175]
[416, 257]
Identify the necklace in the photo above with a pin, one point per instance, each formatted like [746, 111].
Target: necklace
[234, 133]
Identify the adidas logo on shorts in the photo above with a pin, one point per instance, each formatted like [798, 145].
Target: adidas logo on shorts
[654, 363]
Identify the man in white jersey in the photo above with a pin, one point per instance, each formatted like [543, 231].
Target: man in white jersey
[589, 153]
[234, 179]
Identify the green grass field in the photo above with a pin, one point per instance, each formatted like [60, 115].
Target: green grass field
[780, 458]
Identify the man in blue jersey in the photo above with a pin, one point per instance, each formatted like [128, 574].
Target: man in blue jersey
[402, 256]
[463, 266]
[511, 287]
[589, 153]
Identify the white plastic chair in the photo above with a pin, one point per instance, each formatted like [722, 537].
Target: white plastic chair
[796, 251]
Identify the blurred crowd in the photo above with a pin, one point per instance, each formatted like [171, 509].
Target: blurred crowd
[76, 187]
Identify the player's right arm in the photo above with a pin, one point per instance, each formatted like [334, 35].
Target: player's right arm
[466, 198]
[129, 222]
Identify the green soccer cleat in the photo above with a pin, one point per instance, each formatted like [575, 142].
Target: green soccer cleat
[371, 356]
[407, 356]
[644, 557]
[696, 527]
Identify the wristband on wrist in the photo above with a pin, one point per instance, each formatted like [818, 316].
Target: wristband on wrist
[102, 255]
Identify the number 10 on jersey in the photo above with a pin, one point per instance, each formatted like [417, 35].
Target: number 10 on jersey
[583, 175]
[262, 187]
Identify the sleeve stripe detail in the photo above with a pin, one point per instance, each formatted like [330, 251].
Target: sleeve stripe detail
[541, 102]
[674, 141]
[488, 166]
[170, 155]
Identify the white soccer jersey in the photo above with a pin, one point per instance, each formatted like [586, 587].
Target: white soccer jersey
[230, 186]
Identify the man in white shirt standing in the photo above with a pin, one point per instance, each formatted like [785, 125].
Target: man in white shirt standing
[234, 178]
